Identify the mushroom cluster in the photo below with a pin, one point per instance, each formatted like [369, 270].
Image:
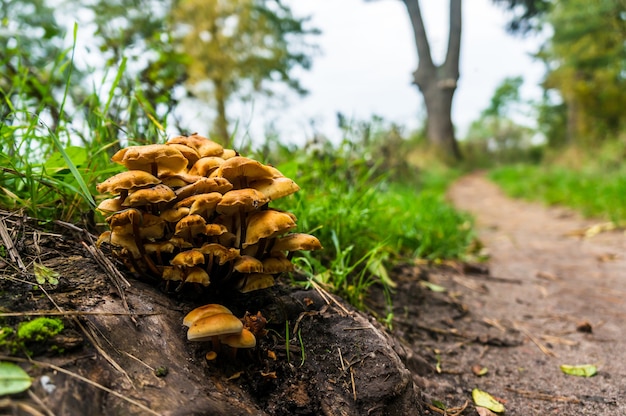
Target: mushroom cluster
[191, 212]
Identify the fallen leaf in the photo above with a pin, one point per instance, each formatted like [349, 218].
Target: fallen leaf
[432, 287]
[235, 376]
[13, 379]
[586, 370]
[438, 404]
[479, 370]
[486, 400]
[483, 411]
[44, 274]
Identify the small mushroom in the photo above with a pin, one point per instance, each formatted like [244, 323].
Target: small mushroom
[188, 258]
[296, 242]
[248, 264]
[197, 275]
[190, 226]
[277, 264]
[201, 204]
[153, 195]
[275, 188]
[203, 186]
[211, 327]
[267, 224]
[256, 281]
[157, 159]
[244, 339]
[121, 183]
[240, 171]
[206, 165]
[204, 146]
[202, 311]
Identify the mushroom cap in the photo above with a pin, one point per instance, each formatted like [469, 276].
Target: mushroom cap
[229, 153]
[190, 226]
[244, 339]
[224, 254]
[154, 195]
[241, 200]
[179, 180]
[168, 159]
[215, 229]
[148, 225]
[204, 146]
[238, 167]
[203, 186]
[205, 328]
[248, 264]
[256, 281]
[268, 224]
[174, 215]
[277, 264]
[127, 242]
[110, 205]
[127, 216]
[188, 258]
[127, 180]
[172, 273]
[197, 275]
[201, 204]
[204, 310]
[190, 153]
[275, 188]
[295, 242]
[159, 247]
[206, 165]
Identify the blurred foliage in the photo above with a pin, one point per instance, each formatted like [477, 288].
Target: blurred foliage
[586, 62]
[495, 138]
[238, 47]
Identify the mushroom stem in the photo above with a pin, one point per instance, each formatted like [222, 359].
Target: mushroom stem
[216, 343]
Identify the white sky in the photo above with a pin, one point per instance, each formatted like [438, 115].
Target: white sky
[368, 57]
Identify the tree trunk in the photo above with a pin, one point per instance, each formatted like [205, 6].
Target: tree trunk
[220, 124]
[438, 82]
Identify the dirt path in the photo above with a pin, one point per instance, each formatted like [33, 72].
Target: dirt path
[559, 282]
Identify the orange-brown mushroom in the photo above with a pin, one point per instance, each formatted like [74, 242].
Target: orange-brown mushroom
[211, 327]
[204, 146]
[203, 186]
[268, 224]
[202, 311]
[275, 188]
[153, 195]
[123, 182]
[157, 159]
[206, 165]
[190, 226]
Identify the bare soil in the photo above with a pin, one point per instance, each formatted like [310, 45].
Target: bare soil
[546, 297]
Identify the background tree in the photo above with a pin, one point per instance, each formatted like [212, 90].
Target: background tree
[238, 48]
[586, 62]
[437, 83]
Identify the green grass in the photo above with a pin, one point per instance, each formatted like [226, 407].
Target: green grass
[367, 218]
[593, 191]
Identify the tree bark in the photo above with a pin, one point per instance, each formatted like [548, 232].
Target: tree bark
[221, 121]
[437, 83]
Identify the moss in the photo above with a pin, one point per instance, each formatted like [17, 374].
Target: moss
[39, 329]
[5, 334]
